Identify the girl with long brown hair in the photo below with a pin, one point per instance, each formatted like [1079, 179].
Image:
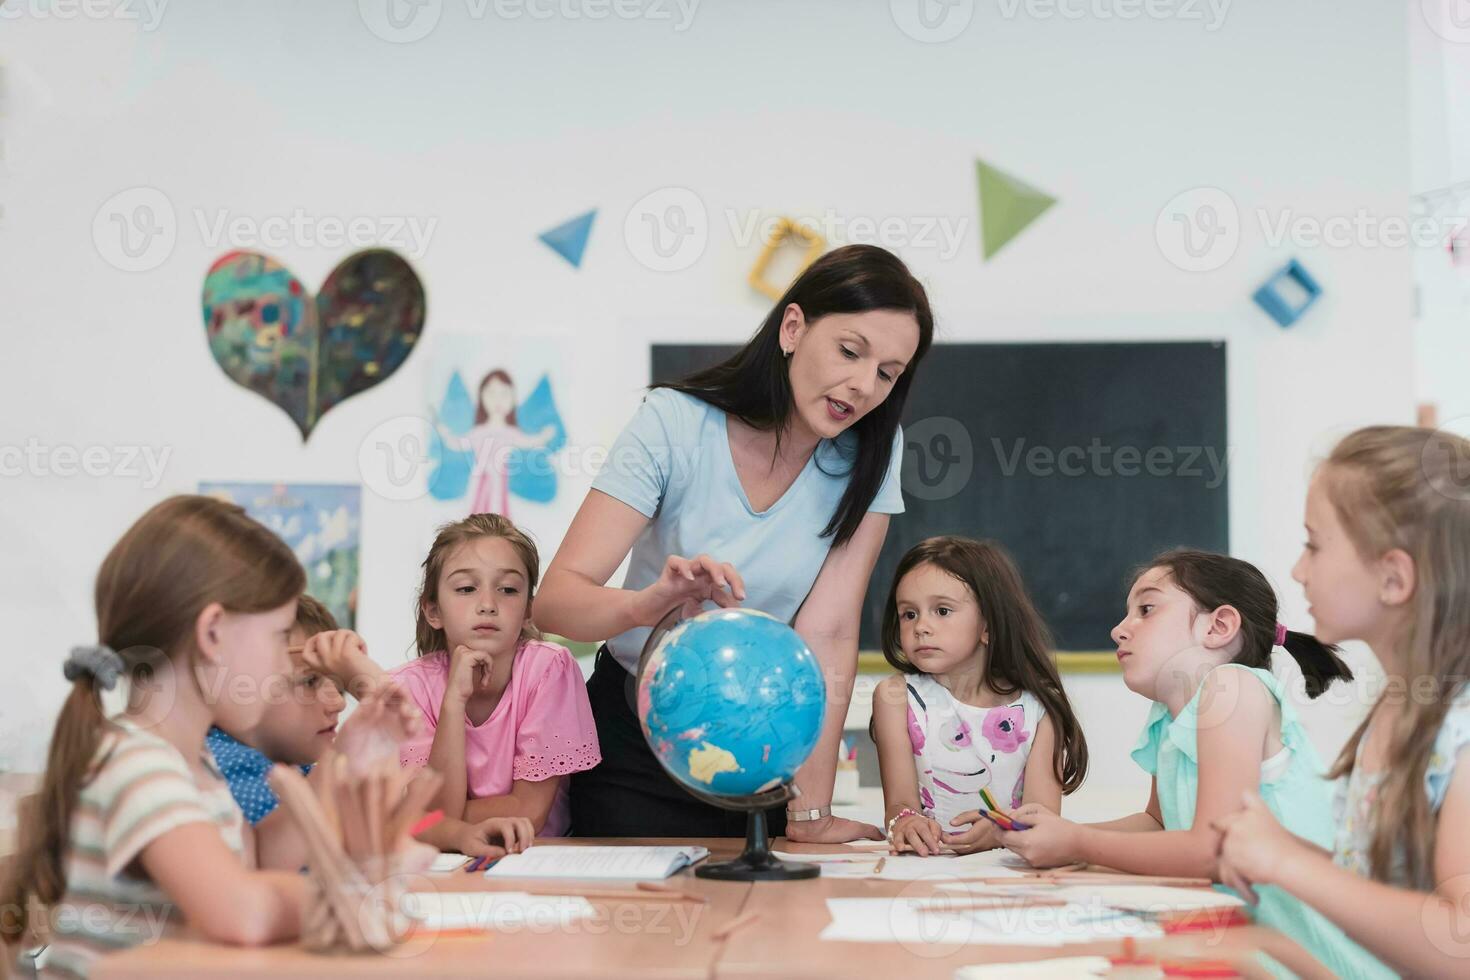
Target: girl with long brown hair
[1387, 562]
[977, 703]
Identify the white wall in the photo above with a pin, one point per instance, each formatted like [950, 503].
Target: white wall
[498, 128]
[1440, 134]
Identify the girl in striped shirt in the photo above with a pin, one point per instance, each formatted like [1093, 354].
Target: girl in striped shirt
[133, 832]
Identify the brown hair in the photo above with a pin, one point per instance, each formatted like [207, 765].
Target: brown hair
[451, 536]
[481, 416]
[1018, 657]
[1214, 580]
[1400, 487]
[313, 617]
[182, 555]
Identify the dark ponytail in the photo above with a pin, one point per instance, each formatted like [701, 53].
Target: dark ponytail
[1214, 580]
[1319, 661]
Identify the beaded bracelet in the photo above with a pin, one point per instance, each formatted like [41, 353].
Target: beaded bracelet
[905, 812]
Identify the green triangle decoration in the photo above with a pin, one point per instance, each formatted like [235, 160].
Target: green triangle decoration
[1007, 205]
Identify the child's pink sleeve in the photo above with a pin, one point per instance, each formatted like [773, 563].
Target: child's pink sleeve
[557, 735]
[414, 753]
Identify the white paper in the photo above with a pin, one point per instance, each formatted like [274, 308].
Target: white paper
[1066, 968]
[449, 862]
[926, 923]
[507, 911]
[1153, 899]
[910, 867]
[561, 861]
[986, 864]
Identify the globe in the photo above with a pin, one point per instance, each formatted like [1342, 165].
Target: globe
[731, 703]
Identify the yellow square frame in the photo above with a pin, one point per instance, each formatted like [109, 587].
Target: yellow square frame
[785, 228]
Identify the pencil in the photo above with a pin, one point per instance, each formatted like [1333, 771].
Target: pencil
[429, 820]
[997, 819]
[739, 922]
[989, 800]
[671, 892]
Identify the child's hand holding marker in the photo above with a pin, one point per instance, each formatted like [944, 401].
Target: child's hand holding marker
[1046, 840]
[979, 832]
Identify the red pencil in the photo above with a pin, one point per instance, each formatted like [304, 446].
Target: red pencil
[429, 819]
[1002, 822]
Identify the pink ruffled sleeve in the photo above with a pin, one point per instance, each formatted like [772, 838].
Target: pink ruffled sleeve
[416, 680]
[557, 735]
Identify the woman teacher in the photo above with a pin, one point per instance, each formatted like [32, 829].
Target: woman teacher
[766, 481]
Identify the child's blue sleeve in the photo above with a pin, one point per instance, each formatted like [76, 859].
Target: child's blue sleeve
[245, 770]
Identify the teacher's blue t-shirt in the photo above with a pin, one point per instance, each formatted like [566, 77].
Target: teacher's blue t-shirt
[672, 464]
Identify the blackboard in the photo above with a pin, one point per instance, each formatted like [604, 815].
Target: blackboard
[1083, 459]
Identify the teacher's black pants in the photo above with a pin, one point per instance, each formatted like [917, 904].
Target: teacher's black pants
[629, 794]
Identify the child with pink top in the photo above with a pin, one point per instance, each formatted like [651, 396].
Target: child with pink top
[507, 712]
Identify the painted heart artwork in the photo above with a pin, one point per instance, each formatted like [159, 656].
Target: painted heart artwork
[308, 356]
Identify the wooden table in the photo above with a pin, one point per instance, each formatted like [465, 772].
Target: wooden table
[783, 941]
[656, 938]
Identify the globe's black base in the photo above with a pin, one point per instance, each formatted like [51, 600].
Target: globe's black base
[744, 869]
[756, 862]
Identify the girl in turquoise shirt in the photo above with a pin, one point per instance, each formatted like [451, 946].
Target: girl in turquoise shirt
[1197, 641]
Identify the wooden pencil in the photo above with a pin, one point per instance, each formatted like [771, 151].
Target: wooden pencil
[671, 891]
[739, 922]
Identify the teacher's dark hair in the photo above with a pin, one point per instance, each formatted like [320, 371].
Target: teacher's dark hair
[754, 386]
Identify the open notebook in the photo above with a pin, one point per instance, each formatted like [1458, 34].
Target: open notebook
[634, 861]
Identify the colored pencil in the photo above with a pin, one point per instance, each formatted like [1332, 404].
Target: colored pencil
[429, 820]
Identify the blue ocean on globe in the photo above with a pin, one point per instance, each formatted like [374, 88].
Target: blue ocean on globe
[731, 702]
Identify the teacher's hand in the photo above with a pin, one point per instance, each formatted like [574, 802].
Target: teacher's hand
[830, 830]
[688, 583]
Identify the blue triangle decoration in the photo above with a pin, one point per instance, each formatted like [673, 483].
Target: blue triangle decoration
[569, 240]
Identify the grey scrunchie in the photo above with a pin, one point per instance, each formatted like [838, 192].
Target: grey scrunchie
[100, 662]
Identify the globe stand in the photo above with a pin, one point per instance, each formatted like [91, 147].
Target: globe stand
[756, 862]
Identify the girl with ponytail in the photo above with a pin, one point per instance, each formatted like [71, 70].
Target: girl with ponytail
[1387, 562]
[1197, 641]
[133, 831]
